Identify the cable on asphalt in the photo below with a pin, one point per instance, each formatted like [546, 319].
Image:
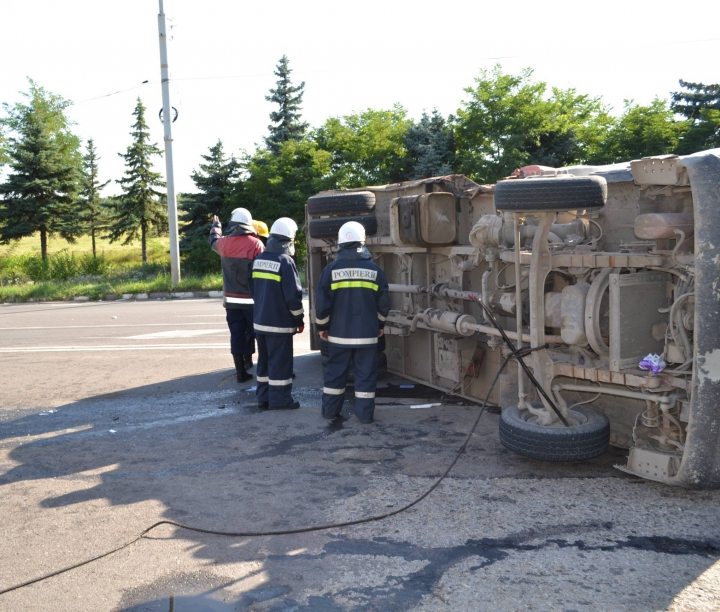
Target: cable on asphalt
[519, 354]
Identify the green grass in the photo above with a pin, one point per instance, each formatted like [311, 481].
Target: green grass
[95, 290]
[115, 252]
[71, 271]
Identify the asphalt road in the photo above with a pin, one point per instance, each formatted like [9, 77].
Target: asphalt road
[116, 415]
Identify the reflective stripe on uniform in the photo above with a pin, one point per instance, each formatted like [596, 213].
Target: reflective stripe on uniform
[234, 300]
[381, 317]
[262, 378]
[297, 313]
[354, 284]
[352, 341]
[279, 383]
[365, 394]
[274, 330]
[331, 391]
[266, 275]
[322, 321]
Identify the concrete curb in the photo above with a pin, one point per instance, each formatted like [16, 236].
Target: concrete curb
[138, 297]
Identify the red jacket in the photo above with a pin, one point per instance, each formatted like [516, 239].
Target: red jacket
[237, 252]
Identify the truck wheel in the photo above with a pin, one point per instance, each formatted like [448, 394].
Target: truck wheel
[348, 203]
[328, 228]
[549, 194]
[588, 435]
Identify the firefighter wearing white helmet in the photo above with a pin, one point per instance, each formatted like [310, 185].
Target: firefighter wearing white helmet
[278, 315]
[237, 251]
[351, 304]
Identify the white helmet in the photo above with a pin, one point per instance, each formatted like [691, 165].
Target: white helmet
[351, 231]
[284, 226]
[241, 216]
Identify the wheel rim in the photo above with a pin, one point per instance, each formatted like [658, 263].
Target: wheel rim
[575, 419]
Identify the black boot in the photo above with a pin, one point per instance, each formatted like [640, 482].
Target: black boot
[242, 375]
[294, 406]
[248, 362]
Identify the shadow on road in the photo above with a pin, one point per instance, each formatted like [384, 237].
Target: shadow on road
[200, 447]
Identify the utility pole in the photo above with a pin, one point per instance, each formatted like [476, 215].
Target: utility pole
[167, 122]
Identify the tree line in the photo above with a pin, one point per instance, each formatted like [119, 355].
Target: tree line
[505, 122]
[52, 186]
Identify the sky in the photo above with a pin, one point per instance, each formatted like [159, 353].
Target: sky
[351, 54]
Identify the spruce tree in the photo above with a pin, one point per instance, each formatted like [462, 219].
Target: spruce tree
[696, 98]
[430, 147]
[41, 190]
[700, 105]
[215, 182]
[139, 209]
[286, 123]
[94, 211]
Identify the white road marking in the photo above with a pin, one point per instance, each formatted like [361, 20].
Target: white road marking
[87, 431]
[298, 349]
[138, 347]
[177, 333]
[112, 325]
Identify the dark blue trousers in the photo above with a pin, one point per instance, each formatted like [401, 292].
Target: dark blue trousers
[274, 369]
[240, 322]
[336, 374]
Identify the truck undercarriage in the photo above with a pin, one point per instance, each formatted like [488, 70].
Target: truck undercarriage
[592, 268]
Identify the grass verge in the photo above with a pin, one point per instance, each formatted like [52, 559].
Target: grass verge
[96, 289]
[71, 271]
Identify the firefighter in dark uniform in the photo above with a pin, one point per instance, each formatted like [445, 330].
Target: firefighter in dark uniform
[351, 304]
[237, 251]
[261, 229]
[278, 315]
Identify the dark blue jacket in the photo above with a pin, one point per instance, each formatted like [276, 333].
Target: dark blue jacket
[352, 300]
[276, 289]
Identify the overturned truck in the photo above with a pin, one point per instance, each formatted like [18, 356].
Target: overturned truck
[571, 278]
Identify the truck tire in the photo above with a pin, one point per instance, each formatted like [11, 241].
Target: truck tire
[348, 203]
[588, 435]
[328, 228]
[550, 194]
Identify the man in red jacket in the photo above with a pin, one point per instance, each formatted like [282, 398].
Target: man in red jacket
[237, 251]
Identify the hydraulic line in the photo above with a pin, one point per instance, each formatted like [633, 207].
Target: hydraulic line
[477, 298]
[519, 354]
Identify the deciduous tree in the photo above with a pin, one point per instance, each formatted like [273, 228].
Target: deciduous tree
[501, 114]
[508, 121]
[642, 131]
[367, 148]
[278, 185]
